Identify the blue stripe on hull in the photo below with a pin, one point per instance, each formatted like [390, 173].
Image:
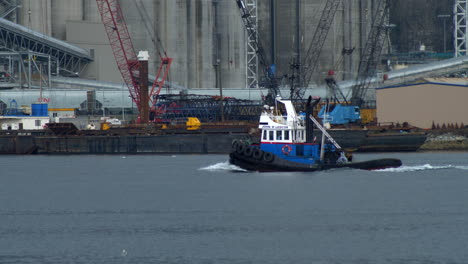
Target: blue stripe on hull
[302, 153]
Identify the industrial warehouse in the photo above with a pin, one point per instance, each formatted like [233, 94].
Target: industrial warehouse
[148, 67]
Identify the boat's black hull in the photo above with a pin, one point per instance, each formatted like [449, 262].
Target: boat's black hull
[279, 164]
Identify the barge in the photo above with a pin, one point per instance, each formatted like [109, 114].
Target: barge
[214, 140]
[66, 139]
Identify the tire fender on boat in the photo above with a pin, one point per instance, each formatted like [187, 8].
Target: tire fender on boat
[268, 156]
[248, 151]
[235, 143]
[240, 148]
[286, 149]
[257, 154]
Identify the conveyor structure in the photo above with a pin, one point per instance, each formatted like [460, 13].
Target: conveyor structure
[14, 37]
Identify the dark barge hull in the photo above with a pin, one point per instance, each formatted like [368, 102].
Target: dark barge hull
[377, 141]
[121, 144]
[392, 141]
[190, 142]
[278, 164]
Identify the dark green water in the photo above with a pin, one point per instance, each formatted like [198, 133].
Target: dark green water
[195, 209]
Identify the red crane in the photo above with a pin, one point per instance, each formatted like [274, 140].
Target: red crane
[124, 53]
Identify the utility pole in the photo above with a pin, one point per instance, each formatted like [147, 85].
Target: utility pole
[298, 33]
[216, 57]
[144, 98]
[296, 76]
[273, 31]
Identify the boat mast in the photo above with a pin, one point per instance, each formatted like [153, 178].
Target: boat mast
[322, 147]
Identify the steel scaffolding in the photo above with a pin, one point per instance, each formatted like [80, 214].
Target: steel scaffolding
[8, 8]
[461, 36]
[206, 108]
[26, 69]
[252, 40]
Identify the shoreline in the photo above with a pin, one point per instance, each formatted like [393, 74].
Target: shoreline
[446, 140]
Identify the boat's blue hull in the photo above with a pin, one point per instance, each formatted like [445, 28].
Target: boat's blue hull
[268, 162]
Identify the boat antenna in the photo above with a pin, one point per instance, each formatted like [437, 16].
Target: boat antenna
[308, 122]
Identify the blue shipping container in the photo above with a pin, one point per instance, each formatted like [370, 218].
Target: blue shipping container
[39, 110]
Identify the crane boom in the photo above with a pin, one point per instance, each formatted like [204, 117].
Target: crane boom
[371, 54]
[146, 20]
[166, 62]
[310, 61]
[257, 47]
[122, 46]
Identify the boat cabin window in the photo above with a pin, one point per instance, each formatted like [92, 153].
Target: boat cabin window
[279, 135]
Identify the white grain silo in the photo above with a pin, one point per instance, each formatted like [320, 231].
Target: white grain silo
[232, 41]
[186, 29]
[90, 11]
[63, 11]
[36, 15]
[141, 30]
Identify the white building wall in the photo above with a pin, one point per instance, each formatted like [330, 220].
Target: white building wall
[90, 11]
[423, 104]
[92, 36]
[28, 123]
[65, 113]
[63, 11]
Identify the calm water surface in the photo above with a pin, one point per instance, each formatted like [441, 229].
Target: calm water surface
[199, 209]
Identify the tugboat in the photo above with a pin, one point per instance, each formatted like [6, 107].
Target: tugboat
[287, 143]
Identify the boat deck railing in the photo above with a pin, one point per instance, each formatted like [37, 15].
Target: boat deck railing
[283, 120]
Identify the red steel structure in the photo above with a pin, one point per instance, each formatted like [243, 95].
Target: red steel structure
[121, 43]
[160, 80]
[124, 52]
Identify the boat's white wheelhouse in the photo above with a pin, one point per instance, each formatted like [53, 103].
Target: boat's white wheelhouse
[272, 135]
[281, 124]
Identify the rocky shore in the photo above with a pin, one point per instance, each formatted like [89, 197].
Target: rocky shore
[446, 139]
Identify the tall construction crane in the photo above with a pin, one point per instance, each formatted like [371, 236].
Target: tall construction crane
[372, 52]
[370, 57]
[125, 56]
[335, 91]
[310, 61]
[258, 52]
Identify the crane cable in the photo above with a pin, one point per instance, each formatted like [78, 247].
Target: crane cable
[152, 32]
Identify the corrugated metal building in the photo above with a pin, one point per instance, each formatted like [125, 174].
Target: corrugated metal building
[432, 101]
